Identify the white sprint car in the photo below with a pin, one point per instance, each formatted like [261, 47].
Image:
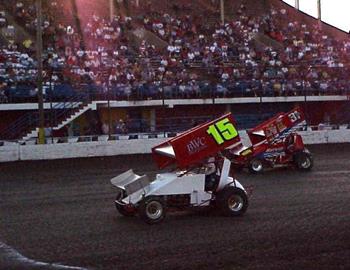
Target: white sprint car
[200, 178]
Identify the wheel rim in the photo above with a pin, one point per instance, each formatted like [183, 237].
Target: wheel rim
[154, 210]
[305, 163]
[235, 203]
[257, 165]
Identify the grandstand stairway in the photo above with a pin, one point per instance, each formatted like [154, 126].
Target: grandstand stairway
[141, 34]
[60, 114]
[262, 41]
[35, 132]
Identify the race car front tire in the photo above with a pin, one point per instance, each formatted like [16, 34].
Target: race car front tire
[232, 201]
[256, 165]
[303, 161]
[152, 210]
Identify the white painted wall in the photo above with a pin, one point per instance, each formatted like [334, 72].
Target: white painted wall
[9, 153]
[126, 147]
[86, 149]
[326, 136]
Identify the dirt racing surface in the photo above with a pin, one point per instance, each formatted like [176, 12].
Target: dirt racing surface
[62, 212]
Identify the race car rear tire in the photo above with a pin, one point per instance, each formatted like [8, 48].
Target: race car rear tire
[124, 210]
[303, 161]
[256, 165]
[152, 210]
[232, 201]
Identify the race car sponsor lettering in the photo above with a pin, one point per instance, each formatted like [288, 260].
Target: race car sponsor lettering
[287, 132]
[271, 131]
[280, 125]
[274, 150]
[196, 145]
[222, 131]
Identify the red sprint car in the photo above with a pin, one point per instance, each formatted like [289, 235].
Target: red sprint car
[275, 143]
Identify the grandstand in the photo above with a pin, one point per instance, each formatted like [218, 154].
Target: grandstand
[148, 67]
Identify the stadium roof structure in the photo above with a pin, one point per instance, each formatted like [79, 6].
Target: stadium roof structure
[333, 13]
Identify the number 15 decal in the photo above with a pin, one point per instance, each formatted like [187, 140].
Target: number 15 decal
[222, 131]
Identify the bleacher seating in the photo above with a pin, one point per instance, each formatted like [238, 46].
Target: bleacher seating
[102, 53]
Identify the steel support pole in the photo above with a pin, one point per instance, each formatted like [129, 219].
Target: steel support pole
[111, 9]
[296, 4]
[109, 112]
[319, 10]
[222, 11]
[39, 53]
[51, 111]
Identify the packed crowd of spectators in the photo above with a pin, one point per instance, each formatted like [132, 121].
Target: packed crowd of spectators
[200, 59]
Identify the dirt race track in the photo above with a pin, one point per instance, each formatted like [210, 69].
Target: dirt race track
[62, 212]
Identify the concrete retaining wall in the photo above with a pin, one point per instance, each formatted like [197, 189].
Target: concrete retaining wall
[86, 149]
[126, 147]
[326, 136]
[9, 153]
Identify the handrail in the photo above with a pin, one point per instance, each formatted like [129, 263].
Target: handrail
[31, 119]
[158, 134]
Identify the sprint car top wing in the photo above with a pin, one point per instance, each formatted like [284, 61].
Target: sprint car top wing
[196, 144]
[278, 127]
